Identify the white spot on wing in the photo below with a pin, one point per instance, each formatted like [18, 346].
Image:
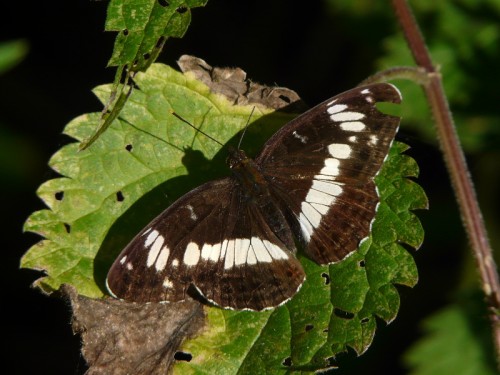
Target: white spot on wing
[321, 208]
[129, 266]
[192, 254]
[123, 259]
[241, 251]
[260, 250]
[315, 196]
[192, 214]
[347, 116]
[365, 91]
[167, 283]
[251, 258]
[175, 262]
[336, 108]
[327, 187]
[161, 262]
[215, 253]
[313, 216]
[352, 126]
[205, 251]
[229, 259]
[318, 201]
[305, 226]
[339, 150]
[151, 238]
[275, 251]
[302, 138]
[373, 140]
[331, 167]
[221, 249]
[155, 249]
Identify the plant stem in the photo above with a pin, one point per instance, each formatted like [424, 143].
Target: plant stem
[457, 168]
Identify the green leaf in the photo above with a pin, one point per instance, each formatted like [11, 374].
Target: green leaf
[143, 148]
[457, 341]
[148, 158]
[142, 23]
[143, 26]
[12, 53]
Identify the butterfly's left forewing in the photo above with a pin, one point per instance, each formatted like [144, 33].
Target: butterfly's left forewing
[322, 166]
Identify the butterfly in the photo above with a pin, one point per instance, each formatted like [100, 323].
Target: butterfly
[235, 240]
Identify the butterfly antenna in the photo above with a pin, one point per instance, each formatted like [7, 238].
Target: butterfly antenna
[245, 129]
[195, 128]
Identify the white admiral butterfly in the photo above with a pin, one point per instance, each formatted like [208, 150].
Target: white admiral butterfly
[234, 239]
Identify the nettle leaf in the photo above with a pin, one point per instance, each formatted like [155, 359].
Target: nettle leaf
[143, 26]
[338, 304]
[148, 158]
[143, 23]
[143, 155]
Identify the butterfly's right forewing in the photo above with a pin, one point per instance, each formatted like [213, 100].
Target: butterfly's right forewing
[322, 167]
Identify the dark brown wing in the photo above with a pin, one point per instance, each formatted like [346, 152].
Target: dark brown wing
[215, 240]
[322, 165]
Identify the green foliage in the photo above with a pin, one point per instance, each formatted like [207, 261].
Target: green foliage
[143, 26]
[144, 156]
[454, 52]
[463, 37]
[12, 53]
[454, 343]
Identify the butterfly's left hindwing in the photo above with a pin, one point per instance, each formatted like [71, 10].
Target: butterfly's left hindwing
[215, 240]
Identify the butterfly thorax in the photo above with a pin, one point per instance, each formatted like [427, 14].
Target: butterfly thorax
[248, 174]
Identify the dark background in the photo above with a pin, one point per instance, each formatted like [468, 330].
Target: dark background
[303, 48]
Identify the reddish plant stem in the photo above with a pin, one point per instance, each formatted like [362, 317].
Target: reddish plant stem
[457, 168]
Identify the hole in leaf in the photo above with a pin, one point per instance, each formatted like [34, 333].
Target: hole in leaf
[287, 361]
[181, 10]
[125, 32]
[163, 3]
[120, 197]
[326, 330]
[327, 278]
[59, 195]
[286, 99]
[343, 314]
[309, 327]
[365, 320]
[146, 56]
[361, 263]
[67, 227]
[129, 147]
[181, 356]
